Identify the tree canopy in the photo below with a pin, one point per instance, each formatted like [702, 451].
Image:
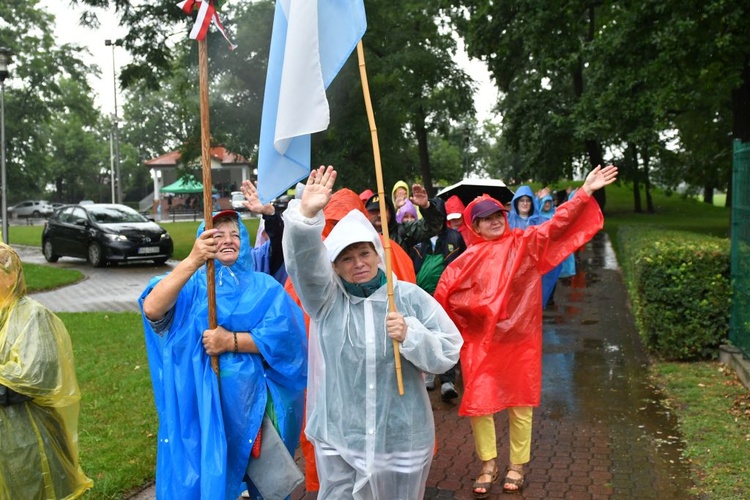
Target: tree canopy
[659, 87]
[52, 126]
[635, 82]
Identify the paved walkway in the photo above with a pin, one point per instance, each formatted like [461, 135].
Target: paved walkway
[601, 432]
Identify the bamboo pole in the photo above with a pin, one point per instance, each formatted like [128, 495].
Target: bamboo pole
[381, 197]
[207, 184]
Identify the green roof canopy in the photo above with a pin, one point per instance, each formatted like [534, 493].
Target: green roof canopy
[182, 186]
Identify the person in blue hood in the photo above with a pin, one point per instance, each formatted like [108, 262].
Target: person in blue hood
[523, 209]
[208, 424]
[549, 280]
[546, 206]
[524, 213]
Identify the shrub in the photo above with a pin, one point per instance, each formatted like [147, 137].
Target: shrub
[679, 285]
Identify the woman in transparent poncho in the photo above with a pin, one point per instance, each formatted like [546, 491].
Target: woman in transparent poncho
[39, 396]
[370, 443]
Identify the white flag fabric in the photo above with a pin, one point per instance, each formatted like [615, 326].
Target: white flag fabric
[311, 41]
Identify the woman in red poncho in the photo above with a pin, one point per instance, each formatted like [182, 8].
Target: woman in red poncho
[493, 292]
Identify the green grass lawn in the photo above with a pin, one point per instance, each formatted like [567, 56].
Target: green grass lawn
[713, 409]
[40, 277]
[118, 424]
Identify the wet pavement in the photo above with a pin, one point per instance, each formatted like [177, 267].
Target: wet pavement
[602, 431]
[113, 288]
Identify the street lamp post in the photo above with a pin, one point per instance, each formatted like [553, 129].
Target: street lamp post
[467, 145]
[118, 178]
[112, 164]
[5, 59]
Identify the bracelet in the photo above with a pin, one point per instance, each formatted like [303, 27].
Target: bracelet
[235, 342]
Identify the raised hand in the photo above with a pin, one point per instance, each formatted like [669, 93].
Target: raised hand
[419, 196]
[252, 201]
[542, 193]
[318, 191]
[599, 177]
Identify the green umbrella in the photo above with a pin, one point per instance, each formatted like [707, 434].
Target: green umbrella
[182, 186]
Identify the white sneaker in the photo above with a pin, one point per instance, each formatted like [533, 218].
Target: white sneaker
[429, 381]
[448, 391]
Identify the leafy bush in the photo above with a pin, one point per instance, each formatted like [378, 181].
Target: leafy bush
[679, 285]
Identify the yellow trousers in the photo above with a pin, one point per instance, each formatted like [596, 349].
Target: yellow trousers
[519, 422]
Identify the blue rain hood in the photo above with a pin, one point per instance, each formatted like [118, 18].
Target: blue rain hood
[548, 213]
[514, 219]
[207, 428]
[534, 219]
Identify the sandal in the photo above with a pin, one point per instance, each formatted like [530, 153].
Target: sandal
[487, 485]
[509, 481]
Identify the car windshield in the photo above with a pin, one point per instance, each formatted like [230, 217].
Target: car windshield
[114, 215]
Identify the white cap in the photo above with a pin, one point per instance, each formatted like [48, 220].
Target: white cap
[352, 228]
[454, 215]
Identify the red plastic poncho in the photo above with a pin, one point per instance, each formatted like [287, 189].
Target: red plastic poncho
[493, 292]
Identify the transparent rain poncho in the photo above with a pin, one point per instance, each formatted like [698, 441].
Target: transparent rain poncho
[40, 397]
[370, 442]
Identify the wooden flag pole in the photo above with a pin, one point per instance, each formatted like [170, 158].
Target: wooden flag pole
[207, 184]
[381, 197]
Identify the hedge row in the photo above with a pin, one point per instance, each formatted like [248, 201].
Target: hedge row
[679, 286]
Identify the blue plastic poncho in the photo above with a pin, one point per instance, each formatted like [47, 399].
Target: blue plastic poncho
[205, 435]
[532, 219]
[549, 280]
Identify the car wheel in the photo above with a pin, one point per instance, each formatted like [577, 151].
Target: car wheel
[49, 252]
[160, 261]
[95, 255]
[35, 214]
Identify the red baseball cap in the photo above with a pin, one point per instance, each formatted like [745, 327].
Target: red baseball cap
[223, 214]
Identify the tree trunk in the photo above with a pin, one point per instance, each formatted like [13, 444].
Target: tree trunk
[708, 194]
[647, 183]
[59, 186]
[593, 147]
[631, 158]
[424, 155]
[595, 159]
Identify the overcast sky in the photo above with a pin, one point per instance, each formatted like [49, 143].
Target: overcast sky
[68, 31]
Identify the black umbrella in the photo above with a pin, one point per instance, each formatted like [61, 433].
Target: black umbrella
[468, 189]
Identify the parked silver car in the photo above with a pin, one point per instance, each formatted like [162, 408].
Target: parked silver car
[238, 200]
[31, 208]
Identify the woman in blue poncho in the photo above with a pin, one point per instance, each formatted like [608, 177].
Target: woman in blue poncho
[208, 425]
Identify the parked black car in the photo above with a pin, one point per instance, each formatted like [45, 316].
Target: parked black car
[102, 233]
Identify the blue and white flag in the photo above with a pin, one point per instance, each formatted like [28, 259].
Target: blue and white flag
[311, 41]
